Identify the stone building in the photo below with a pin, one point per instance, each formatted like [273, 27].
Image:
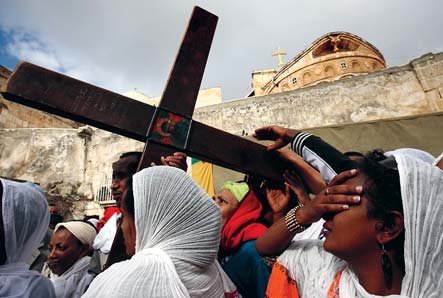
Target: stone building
[333, 56]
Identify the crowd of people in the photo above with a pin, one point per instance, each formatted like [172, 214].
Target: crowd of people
[338, 224]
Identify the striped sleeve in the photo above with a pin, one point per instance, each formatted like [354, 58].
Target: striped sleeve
[325, 158]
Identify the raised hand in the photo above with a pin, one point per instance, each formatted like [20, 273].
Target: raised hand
[178, 160]
[295, 183]
[335, 198]
[282, 136]
[278, 200]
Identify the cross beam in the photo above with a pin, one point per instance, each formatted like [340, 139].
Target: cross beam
[58, 94]
[165, 129]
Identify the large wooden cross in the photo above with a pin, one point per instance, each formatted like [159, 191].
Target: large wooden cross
[165, 129]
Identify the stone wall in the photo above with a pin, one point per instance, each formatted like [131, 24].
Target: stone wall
[415, 88]
[68, 163]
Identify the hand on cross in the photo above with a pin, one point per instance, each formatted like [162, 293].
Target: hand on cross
[282, 136]
[178, 160]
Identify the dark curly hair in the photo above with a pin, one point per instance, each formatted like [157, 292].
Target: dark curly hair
[382, 189]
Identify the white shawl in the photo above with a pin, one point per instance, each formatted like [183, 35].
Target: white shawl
[25, 217]
[178, 230]
[422, 195]
[74, 281]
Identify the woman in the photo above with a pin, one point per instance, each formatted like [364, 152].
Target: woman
[68, 260]
[177, 228]
[385, 242]
[24, 219]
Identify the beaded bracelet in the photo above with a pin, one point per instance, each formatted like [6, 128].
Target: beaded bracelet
[292, 223]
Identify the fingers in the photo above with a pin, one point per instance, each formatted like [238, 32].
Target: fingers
[291, 178]
[343, 176]
[178, 160]
[333, 208]
[264, 133]
[343, 189]
[276, 145]
[341, 199]
[180, 155]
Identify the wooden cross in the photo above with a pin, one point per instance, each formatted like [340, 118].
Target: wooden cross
[165, 129]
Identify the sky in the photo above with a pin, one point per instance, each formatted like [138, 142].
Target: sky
[132, 44]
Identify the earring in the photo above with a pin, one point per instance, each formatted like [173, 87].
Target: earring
[386, 265]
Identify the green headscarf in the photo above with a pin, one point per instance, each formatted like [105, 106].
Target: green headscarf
[238, 189]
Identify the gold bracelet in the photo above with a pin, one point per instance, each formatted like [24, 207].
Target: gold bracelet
[291, 221]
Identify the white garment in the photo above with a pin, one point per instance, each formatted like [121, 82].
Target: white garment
[412, 152]
[178, 230]
[25, 218]
[437, 160]
[74, 281]
[313, 232]
[422, 195]
[105, 237]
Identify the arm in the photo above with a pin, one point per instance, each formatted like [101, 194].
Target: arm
[322, 156]
[310, 176]
[339, 197]
[319, 154]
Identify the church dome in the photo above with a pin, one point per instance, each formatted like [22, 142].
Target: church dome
[331, 57]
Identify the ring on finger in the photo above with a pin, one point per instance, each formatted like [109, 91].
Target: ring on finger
[327, 191]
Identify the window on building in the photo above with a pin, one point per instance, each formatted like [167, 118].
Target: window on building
[343, 65]
[294, 81]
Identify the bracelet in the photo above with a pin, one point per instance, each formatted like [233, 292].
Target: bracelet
[291, 221]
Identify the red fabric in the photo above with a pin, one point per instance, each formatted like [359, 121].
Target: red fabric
[109, 212]
[244, 224]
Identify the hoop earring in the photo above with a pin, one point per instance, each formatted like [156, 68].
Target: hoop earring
[386, 265]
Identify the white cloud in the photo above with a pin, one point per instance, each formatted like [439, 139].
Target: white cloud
[28, 48]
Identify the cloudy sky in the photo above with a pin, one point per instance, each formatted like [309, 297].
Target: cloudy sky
[123, 45]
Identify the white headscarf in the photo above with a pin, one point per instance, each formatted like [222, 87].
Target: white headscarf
[178, 230]
[84, 232]
[25, 217]
[412, 152]
[422, 196]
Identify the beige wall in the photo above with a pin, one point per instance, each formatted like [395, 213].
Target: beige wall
[205, 97]
[415, 88]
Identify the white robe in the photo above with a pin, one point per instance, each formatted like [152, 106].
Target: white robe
[25, 218]
[178, 229]
[74, 281]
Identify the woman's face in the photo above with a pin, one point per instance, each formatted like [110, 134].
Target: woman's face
[351, 231]
[227, 203]
[64, 251]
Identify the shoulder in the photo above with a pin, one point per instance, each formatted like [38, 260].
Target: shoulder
[41, 287]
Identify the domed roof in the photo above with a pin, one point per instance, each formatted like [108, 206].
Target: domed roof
[333, 56]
